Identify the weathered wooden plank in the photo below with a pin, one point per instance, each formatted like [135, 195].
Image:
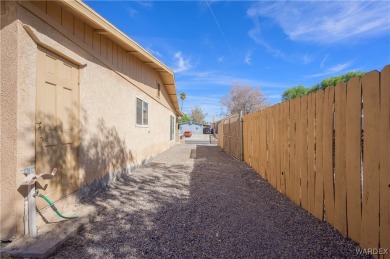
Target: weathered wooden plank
[353, 153]
[371, 160]
[384, 195]
[328, 155]
[263, 143]
[256, 142]
[298, 143]
[244, 136]
[268, 137]
[319, 177]
[284, 134]
[292, 149]
[340, 158]
[271, 148]
[303, 152]
[277, 146]
[311, 109]
[288, 150]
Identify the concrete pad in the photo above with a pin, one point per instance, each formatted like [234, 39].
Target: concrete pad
[50, 237]
[200, 139]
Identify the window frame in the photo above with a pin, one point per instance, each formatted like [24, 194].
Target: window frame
[172, 128]
[143, 102]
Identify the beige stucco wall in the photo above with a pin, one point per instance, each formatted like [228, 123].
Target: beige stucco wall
[110, 139]
[9, 45]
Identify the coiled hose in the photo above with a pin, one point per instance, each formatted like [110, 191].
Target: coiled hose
[53, 206]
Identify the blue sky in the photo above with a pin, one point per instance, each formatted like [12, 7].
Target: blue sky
[211, 45]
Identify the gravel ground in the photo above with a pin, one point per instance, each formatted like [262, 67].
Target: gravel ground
[208, 207]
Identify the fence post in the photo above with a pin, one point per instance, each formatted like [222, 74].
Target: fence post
[240, 135]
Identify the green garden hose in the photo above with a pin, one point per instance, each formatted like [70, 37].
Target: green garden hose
[53, 206]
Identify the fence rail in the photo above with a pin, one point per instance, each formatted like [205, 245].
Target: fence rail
[329, 152]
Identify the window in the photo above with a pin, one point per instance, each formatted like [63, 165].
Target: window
[142, 112]
[172, 131]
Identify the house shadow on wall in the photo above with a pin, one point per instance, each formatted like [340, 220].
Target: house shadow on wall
[86, 159]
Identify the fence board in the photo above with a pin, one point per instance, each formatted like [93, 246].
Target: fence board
[303, 151]
[244, 136]
[271, 148]
[256, 140]
[311, 109]
[277, 146]
[353, 153]
[384, 195]
[292, 150]
[319, 175]
[298, 142]
[284, 148]
[340, 158]
[267, 137]
[288, 150]
[328, 154]
[370, 205]
[220, 135]
[253, 130]
[263, 143]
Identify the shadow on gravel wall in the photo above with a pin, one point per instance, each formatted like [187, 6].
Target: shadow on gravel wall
[215, 208]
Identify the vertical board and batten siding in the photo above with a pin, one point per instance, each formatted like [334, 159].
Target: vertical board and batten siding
[112, 54]
[329, 153]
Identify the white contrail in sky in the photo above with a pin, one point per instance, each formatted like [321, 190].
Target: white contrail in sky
[220, 29]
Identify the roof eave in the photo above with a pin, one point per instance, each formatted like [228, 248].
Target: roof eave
[130, 45]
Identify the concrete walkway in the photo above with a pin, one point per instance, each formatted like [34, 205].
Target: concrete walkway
[201, 139]
[208, 206]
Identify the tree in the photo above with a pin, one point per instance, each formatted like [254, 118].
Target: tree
[298, 91]
[294, 92]
[332, 81]
[183, 96]
[243, 98]
[197, 115]
[184, 118]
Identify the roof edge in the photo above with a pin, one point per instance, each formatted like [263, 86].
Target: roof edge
[93, 17]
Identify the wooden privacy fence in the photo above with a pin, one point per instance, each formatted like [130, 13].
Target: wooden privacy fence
[329, 152]
[230, 135]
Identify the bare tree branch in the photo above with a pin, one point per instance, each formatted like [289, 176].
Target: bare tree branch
[244, 98]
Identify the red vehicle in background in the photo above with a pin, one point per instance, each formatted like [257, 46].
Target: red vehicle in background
[187, 134]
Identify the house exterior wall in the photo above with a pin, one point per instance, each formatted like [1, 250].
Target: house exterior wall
[195, 128]
[110, 81]
[8, 118]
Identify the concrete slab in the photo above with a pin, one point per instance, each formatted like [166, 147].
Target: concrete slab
[200, 139]
[50, 237]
